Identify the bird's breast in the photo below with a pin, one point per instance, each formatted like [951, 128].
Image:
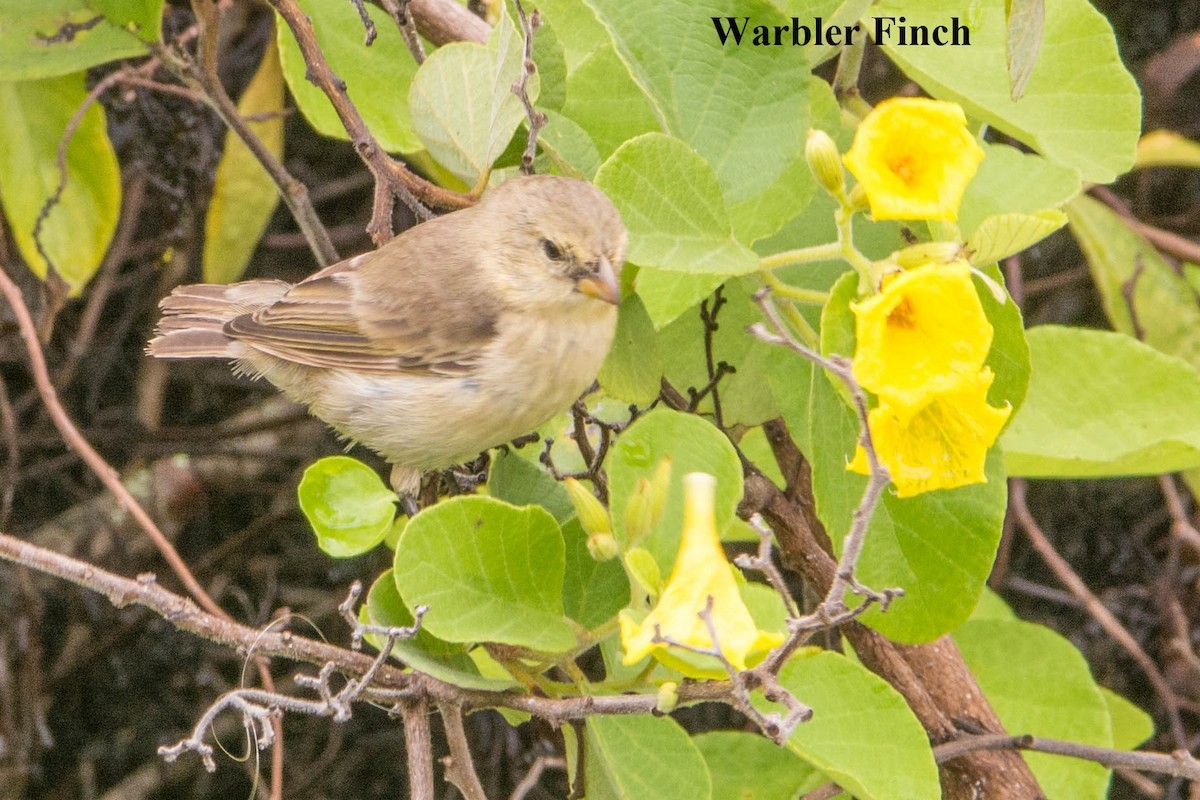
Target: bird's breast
[531, 371]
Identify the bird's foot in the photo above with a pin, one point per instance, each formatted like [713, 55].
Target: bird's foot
[408, 504]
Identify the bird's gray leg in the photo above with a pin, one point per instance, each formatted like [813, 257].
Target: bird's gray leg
[406, 482]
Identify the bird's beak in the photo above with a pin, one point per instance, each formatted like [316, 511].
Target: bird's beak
[603, 284]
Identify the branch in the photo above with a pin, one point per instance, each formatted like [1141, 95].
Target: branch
[460, 768]
[390, 684]
[392, 178]
[529, 24]
[1111, 625]
[1179, 764]
[207, 83]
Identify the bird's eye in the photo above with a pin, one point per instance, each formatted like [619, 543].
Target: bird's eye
[551, 250]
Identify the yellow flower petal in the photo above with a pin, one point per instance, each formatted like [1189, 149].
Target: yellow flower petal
[701, 571]
[941, 445]
[924, 332]
[914, 158]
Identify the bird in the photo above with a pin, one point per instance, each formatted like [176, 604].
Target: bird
[458, 335]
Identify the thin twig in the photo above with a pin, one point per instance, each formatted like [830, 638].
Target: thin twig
[1111, 625]
[107, 475]
[540, 765]
[1181, 527]
[833, 610]
[529, 24]
[414, 191]
[1179, 764]
[368, 24]
[460, 768]
[294, 193]
[390, 683]
[398, 11]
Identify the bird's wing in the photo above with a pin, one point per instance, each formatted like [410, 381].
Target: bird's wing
[385, 317]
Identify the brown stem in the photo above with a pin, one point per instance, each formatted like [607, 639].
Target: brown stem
[400, 182]
[1111, 625]
[418, 746]
[1179, 764]
[294, 192]
[460, 768]
[932, 678]
[445, 21]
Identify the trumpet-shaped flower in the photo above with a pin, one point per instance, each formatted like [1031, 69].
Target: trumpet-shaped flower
[701, 572]
[940, 445]
[914, 158]
[924, 332]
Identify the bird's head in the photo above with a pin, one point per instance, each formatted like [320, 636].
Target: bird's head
[564, 242]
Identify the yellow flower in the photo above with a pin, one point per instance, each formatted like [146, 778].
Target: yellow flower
[940, 445]
[924, 332]
[701, 571]
[914, 158]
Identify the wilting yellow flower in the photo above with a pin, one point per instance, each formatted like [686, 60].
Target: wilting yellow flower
[940, 445]
[914, 158]
[701, 571]
[924, 332]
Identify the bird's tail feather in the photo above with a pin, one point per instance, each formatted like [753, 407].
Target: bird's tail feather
[194, 317]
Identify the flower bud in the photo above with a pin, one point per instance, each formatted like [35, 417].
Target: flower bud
[644, 570]
[592, 515]
[639, 513]
[667, 698]
[603, 546]
[858, 198]
[928, 252]
[825, 161]
[660, 489]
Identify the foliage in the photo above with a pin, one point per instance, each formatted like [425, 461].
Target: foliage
[701, 145]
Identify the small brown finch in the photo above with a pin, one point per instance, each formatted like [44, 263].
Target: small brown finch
[460, 334]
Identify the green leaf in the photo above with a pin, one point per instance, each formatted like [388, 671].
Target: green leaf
[1040, 684]
[462, 103]
[666, 294]
[593, 591]
[642, 757]
[1103, 404]
[488, 571]
[834, 12]
[1003, 235]
[937, 546]
[425, 653]
[244, 195]
[633, 371]
[1131, 726]
[1026, 21]
[1165, 313]
[377, 77]
[603, 99]
[1010, 181]
[347, 505]
[551, 64]
[744, 395]
[1164, 148]
[862, 734]
[79, 227]
[672, 207]
[693, 445]
[568, 147]
[1081, 107]
[521, 482]
[57, 37]
[743, 109]
[579, 33]
[746, 766]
